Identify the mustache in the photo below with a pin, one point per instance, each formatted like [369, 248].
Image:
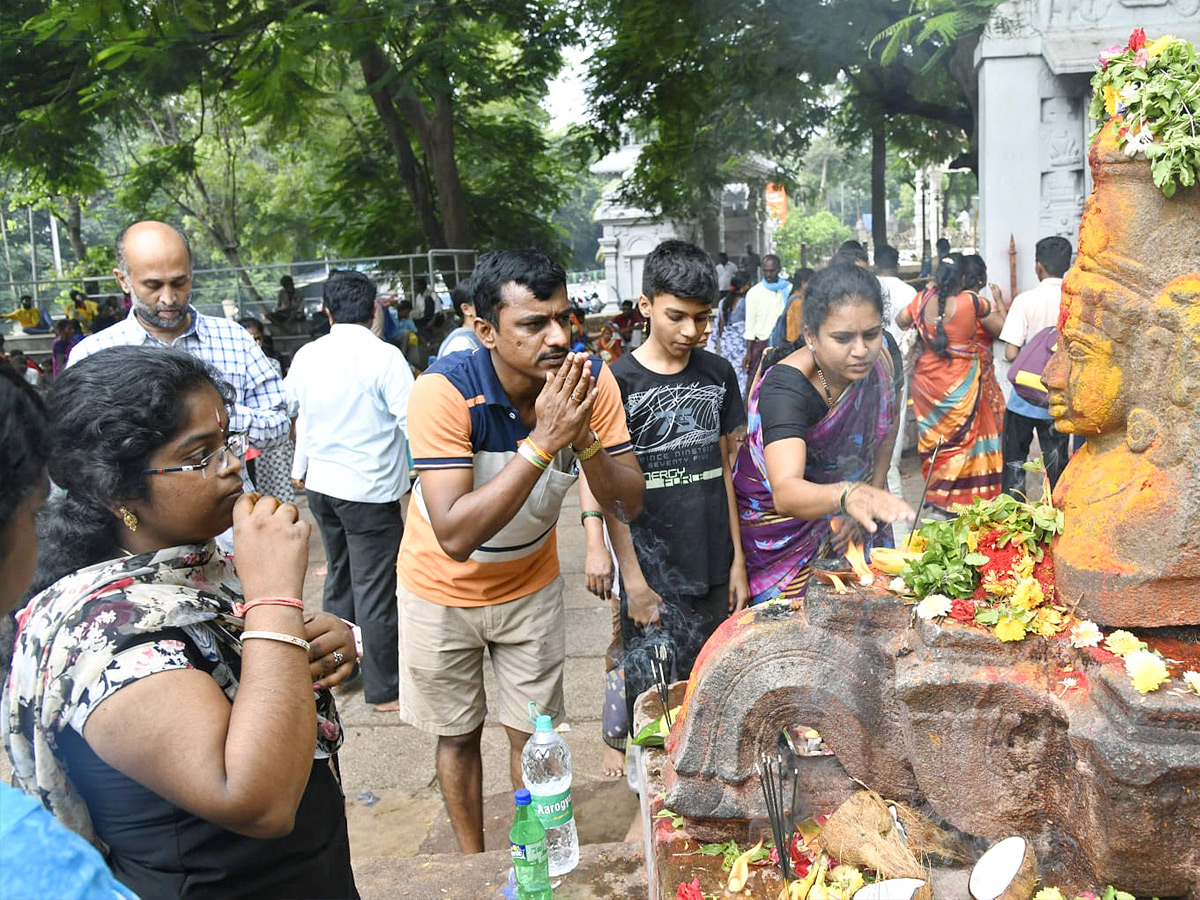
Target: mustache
[552, 355]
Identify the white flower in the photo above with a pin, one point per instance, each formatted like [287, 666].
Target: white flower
[1086, 634]
[898, 586]
[1191, 680]
[934, 607]
[1129, 93]
[1137, 141]
[1146, 671]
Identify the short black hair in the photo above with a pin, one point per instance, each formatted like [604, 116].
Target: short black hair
[1054, 253]
[24, 445]
[942, 246]
[460, 295]
[349, 297]
[679, 268]
[837, 285]
[533, 270]
[887, 257]
[850, 252]
[249, 322]
[110, 412]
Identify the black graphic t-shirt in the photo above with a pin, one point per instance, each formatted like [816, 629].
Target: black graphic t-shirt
[676, 421]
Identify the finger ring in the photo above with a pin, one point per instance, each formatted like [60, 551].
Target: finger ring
[338, 659]
[576, 397]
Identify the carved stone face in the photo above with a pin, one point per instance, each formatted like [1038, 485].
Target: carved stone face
[1085, 377]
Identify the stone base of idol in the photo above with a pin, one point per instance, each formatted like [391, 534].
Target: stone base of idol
[605, 872]
[1031, 738]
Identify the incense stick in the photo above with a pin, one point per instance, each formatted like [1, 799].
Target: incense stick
[925, 490]
[658, 665]
[770, 778]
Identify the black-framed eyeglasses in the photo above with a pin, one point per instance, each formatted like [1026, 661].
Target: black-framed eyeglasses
[234, 447]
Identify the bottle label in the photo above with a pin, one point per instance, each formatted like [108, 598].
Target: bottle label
[553, 810]
[529, 860]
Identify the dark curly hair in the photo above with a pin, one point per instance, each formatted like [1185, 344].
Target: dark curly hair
[24, 444]
[837, 285]
[110, 412]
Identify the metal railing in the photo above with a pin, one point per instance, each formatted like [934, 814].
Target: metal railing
[228, 291]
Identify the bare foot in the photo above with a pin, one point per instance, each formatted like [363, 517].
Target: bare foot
[390, 706]
[612, 762]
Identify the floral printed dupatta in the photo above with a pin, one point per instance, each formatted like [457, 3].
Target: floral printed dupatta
[841, 447]
[90, 633]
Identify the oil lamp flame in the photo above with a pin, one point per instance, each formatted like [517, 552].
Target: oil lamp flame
[838, 584]
[854, 555]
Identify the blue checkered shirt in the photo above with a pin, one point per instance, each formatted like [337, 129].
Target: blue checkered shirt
[259, 405]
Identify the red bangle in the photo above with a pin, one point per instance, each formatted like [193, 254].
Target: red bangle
[240, 609]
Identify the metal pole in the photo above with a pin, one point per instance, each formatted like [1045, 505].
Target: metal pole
[32, 256]
[54, 245]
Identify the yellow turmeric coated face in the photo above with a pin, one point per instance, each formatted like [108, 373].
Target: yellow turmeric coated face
[1083, 377]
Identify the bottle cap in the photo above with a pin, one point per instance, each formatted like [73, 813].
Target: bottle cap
[545, 723]
[521, 797]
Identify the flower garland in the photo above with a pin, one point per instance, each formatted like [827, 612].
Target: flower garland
[1153, 88]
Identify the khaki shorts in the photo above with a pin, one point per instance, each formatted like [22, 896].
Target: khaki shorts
[441, 660]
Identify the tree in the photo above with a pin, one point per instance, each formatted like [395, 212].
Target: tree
[805, 239]
[718, 80]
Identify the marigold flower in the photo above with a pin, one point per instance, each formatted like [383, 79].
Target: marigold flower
[1048, 621]
[1049, 893]
[935, 606]
[1122, 643]
[1110, 100]
[1146, 671]
[972, 540]
[995, 586]
[1028, 594]
[1086, 634]
[1023, 567]
[1010, 629]
[1158, 45]
[1191, 680]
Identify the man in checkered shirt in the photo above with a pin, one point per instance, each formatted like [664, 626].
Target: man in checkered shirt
[154, 266]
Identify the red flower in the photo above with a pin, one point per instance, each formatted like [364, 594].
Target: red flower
[689, 890]
[962, 611]
[1137, 40]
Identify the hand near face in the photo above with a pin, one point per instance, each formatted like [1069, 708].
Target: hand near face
[270, 546]
[564, 406]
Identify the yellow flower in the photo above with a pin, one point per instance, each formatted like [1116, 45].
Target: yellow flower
[918, 543]
[1023, 567]
[1122, 643]
[1191, 680]
[1048, 621]
[972, 540]
[1010, 629]
[1049, 893]
[1158, 45]
[994, 586]
[1146, 671]
[1110, 100]
[1028, 594]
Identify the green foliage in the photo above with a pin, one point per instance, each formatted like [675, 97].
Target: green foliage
[730, 851]
[1155, 88]
[821, 234]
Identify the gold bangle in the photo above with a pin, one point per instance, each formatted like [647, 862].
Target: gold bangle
[590, 450]
[276, 636]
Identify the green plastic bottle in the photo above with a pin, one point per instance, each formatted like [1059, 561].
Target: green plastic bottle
[527, 840]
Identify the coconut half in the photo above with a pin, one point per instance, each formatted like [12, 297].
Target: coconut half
[1007, 871]
[890, 889]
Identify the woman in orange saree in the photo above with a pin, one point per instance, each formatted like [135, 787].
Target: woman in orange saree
[955, 395]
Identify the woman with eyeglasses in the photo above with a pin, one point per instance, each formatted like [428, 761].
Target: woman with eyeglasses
[162, 703]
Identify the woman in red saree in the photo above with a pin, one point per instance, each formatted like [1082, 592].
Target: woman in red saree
[955, 395]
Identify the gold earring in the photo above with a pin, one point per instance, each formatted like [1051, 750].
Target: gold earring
[130, 520]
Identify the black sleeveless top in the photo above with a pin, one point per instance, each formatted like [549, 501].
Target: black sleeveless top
[162, 851]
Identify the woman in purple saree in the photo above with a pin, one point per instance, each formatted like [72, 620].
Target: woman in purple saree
[821, 427]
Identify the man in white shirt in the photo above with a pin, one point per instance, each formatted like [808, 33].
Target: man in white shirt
[764, 303]
[725, 272]
[352, 390]
[1033, 311]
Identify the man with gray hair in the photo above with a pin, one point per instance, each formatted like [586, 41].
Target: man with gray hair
[154, 266]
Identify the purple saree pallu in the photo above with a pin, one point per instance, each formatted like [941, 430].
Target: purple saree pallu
[843, 446]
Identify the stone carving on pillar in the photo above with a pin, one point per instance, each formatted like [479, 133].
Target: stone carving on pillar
[1127, 376]
[1061, 130]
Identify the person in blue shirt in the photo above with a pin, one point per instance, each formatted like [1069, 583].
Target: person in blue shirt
[39, 856]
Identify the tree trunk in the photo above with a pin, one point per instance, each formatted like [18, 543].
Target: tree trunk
[878, 185]
[452, 199]
[375, 65]
[75, 229]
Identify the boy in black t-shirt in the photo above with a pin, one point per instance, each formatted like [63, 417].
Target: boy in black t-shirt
[681, 563]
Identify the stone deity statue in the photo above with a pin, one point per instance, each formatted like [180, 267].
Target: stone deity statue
[1126, 376]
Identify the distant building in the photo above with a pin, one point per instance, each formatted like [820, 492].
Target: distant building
[630, 232]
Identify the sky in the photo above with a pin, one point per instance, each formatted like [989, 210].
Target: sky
[566, 99]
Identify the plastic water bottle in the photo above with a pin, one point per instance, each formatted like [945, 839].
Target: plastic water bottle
[546, 771]
[527, 841]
